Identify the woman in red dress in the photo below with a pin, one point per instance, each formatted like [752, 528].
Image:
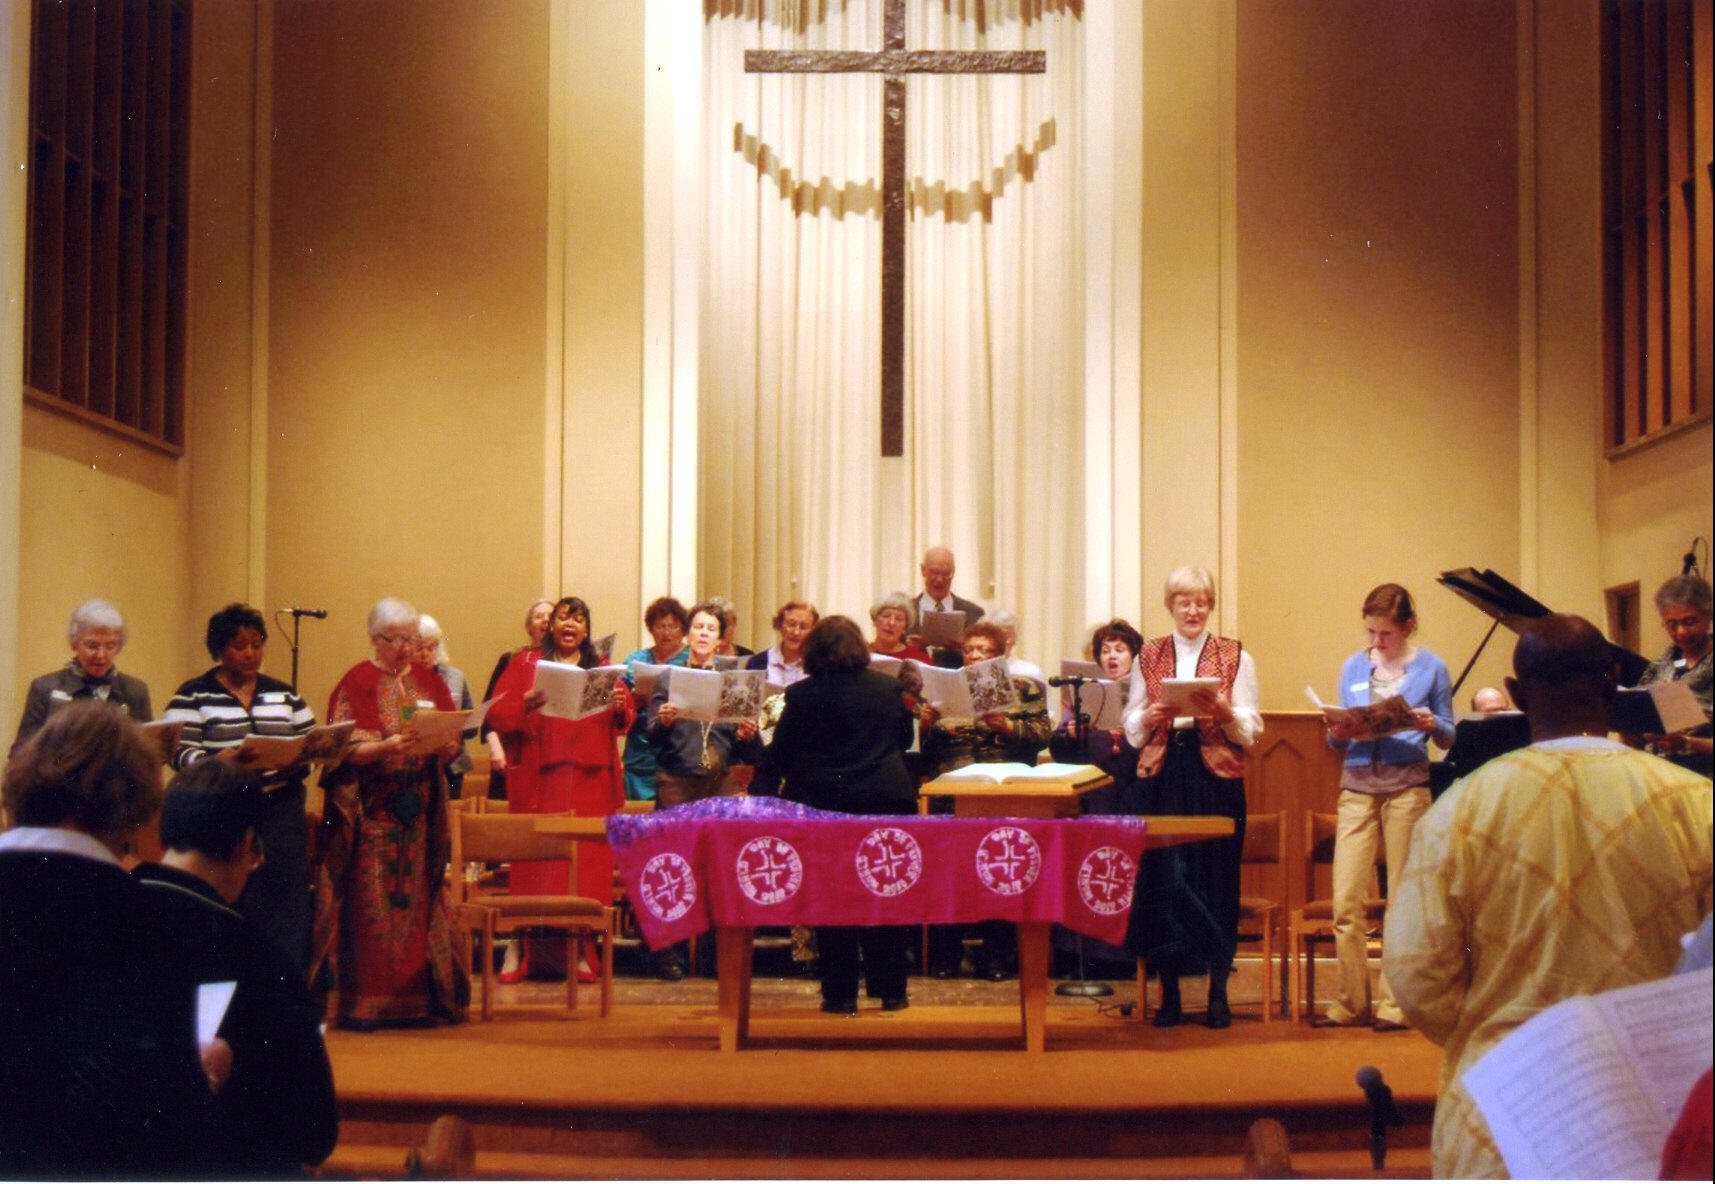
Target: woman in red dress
[563, 766]
[385, 840]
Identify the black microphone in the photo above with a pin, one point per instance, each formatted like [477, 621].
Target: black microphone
[1689, 561]
[1383, 1113]
[1070, 680]
[320, 614]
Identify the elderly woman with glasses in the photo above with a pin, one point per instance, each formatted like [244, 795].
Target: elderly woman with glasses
[385, 840]
[96, 632]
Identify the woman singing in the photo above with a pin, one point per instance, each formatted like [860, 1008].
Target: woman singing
[1384, 787]
[563, 766]
[1185, 917]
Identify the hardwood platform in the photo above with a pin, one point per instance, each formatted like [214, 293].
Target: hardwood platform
[937, 1091]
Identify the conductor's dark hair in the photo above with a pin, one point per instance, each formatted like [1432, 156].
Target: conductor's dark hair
[666, 606]
[835, 645]
[1393, 602]
[1119, 630]
[226, 624]
[209, 807]
[88, 767]
[571, 606]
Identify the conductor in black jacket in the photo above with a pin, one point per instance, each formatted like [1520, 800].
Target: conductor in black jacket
[276, 1112]
[840, 745]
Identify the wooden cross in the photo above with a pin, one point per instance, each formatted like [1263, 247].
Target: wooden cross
[894, 61]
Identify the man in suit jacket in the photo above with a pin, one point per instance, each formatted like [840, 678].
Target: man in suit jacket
[937, 596]
[97, 634]
[276, 1111]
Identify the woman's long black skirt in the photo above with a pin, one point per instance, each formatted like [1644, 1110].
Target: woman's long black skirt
[1185, 913]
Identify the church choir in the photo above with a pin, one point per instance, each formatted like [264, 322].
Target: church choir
[364, 915]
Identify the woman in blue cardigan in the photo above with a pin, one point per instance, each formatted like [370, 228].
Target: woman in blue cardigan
[1384, 786]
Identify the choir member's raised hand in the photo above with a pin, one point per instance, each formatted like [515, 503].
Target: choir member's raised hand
[1425, 720]
[1156, 716]
[746, 729]
[1344, 730]
[997, 722]
[928, 714]
[534, 698]
[668, 715]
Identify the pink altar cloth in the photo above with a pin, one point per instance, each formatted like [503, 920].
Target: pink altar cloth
[753, 862]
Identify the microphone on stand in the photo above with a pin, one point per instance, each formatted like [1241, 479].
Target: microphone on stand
[320, 614]
[1383, 1113]
[1070, 680]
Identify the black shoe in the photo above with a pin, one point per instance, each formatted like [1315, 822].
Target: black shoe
[1219, 1014]
[895, 1003]
[840, 1006]
[1168, 1015]
[673, 972]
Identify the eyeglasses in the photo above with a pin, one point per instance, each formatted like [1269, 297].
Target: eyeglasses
[396, 638]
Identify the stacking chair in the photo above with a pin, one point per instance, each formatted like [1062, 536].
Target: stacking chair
[489, 837]
[1259, 916]
[1312, 924]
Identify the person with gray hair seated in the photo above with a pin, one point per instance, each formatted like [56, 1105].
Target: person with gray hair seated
[96, 632]
[100, 1073]
[1684, 605]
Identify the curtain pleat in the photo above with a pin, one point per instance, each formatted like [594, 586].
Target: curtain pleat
[796, 501]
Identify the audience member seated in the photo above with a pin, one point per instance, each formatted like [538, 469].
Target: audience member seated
[1684, 605]
[276, 1111]
[100, 1074]
[1493, 729]
[1568, 867]
[97, 635]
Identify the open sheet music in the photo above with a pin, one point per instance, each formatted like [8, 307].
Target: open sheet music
[1392, 714]
[1012, 773]
[573, 692]
[717, 696]
[977, 690]
[943, 629]
[644, 676]
[1590, 1088]
[1659, 709]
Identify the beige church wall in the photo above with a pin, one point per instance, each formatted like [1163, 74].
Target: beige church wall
[598, 157]
[406, 325]
[14, 194]
[1377, 323]
[1654, 502]
[104, 516]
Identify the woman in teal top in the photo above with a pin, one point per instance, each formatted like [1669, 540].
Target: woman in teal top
[666, 621]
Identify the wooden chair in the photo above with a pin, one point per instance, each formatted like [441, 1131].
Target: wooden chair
[1312, 924]
[488, 837]
[1265, 844]
[1259, 916]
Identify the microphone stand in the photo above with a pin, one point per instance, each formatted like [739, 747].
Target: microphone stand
[298, 616]
[1081, 986]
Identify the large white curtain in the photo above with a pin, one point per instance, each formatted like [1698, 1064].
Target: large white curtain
[795, 500]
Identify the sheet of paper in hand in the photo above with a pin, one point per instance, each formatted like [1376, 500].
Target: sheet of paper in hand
[742, 693]
[270, 752]
[164, 735]
[573, 692]
[883, 664]
[946, 629]
[1177, 692]
[328, 741]
[1392, 714]
[429, 730]
[644, 676]
[991, 687]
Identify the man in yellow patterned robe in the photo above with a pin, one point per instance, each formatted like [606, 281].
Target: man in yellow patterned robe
[1565, 868]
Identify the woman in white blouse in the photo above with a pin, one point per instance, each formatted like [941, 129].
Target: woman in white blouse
[1184, 918]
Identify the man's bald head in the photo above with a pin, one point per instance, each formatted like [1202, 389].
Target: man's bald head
[937, 569]
[1563, 676]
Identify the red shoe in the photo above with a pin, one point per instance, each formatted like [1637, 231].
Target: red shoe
[586, 974]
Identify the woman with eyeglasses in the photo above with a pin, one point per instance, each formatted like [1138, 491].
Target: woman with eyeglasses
[97, 634]
[385, 840]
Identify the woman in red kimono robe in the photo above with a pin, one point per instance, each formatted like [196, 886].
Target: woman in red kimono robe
[385, 842]
[563, 766]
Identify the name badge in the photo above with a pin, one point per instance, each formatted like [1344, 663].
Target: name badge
[1359, 688]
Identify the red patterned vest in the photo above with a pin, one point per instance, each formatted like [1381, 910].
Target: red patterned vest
[1219, 659]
